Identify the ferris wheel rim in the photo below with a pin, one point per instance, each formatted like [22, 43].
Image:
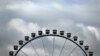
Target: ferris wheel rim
[44, 35]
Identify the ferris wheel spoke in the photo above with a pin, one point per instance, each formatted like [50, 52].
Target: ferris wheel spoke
[62, 48]
[72, 51]
[43, 46]
[53, 46]
[24, 53]
[34, 49]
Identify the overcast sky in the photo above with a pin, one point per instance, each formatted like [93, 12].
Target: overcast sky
[21, 17]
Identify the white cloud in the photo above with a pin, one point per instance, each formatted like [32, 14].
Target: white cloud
[95, 32]
[29, 9]
[23, 7]
[23, 27]
[47, 10]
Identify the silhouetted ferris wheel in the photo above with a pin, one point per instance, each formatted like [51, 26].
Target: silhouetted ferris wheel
[51, 43]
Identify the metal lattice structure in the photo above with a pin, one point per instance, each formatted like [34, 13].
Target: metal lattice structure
[67, 36]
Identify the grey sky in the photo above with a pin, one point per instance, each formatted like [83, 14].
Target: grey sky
[21, 17]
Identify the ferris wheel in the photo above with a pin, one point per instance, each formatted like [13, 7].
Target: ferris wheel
[51, 43]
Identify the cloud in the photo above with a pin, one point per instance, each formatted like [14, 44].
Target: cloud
[15, 30]
[95, 31]
[20, 17]
[23, 27]
[84, 32]
[83, 13]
